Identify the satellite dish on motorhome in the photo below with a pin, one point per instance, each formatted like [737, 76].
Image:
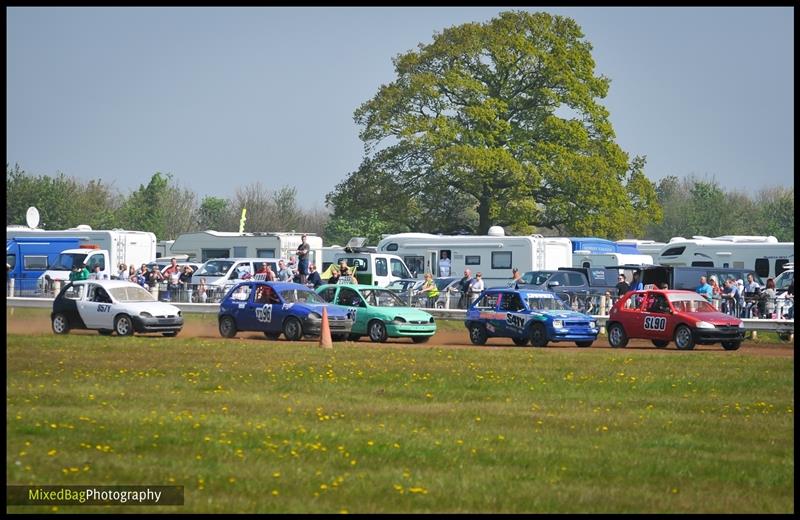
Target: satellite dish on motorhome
[32, 217]
[356, 242]
[496, 231]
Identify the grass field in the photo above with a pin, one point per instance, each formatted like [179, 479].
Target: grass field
[258, 426]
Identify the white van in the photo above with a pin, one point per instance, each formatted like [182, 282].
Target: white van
[379, 269]
[222, 273]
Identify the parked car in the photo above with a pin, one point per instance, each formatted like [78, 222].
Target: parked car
[379, 313]
[664, 316]
[525, 315]
[276, 308]
[110, 306]
[404, 289]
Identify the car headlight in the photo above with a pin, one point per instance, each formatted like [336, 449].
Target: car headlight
[704, 325]
[741, 324]
[593, 324]
[145, 314]
[313, 316]
[431, 320]
[398, 320]
[558, 324]
[179, 314]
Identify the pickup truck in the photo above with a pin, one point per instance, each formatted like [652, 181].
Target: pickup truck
[581, 287]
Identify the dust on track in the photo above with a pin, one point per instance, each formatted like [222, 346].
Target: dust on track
[38, 325]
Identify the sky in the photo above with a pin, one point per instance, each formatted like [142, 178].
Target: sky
[223, 97]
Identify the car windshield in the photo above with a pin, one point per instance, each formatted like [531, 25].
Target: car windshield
[215, 268]
[538, 302]
[690, 302]
[65, 261]
[783, 280]
[300, 296]
[382, 298]
[131, 293]
[400, 285]
[536, 277]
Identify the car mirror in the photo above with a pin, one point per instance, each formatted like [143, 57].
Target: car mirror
[553, 284]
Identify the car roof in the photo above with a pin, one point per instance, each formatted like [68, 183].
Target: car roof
[278, 286]
[109, 284]
[360, 286]
[522, 290]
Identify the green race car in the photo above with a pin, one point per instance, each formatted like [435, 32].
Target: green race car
[379, 313]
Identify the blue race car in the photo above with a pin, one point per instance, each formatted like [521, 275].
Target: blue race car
[279, 307]
[527, 315]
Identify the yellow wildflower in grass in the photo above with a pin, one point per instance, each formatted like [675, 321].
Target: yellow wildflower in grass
[52, 452]
[277, 474]
[275, 492]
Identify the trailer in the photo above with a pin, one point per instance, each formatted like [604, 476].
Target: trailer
[494, 255]
[644, 247]
[762, 254]
[205, 245]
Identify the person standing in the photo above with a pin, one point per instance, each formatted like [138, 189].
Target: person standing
[622, 285]
[463, 286]
[284, 273]
[202, 292]
[515, 278]
[476, 288]
[302, 258]
[430, 290]
[636, 283]
[444, 264]
[313, 276]
[704, 289]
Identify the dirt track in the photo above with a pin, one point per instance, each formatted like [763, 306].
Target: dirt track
[449, 338]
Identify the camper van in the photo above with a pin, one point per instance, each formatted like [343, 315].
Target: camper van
[643, 247]
[762, 254]
[204, 245]
[27, 258]
[494, 255]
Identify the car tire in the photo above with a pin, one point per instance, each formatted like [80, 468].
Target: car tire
[272, 335]
[170, 334]
[292, 329]
[354, 337]
[377, 331]
[60, 324]
[227, 327]
[477, 334]
[684, 338]
[520, 342]
[420, 339]
[731, 345]
[105, 332]
[584, 344]
[660, 343]
[539, 335]
[123, 325]
[439, 305]
[616, 336]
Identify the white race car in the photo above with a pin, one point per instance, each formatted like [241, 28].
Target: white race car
[112, 306]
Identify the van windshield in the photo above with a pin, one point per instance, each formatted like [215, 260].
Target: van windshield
[65, 261]
[215, 268]
[536, 277]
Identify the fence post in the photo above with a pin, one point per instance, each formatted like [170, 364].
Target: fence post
[10, 287]
[56, 287]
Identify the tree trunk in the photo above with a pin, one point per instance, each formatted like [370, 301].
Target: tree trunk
[484, 205]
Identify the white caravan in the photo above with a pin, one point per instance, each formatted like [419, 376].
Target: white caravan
[109, 248]
[588, 259]
[645, 247]
[494, 255]
[204, 245]
[763, 254]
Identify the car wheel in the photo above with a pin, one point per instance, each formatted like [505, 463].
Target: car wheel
[227, 327]
[60, 324]
[477, 334]
[520, 342]
[616, 336]
[354, 337]
[292, 329]
[123, 325]
[272, 335]
[377, 331]
[439, 305]
[538, 335]
[785, 336]
[584, 344]
[660, 343]
[420, 339]
[684, 339]
[170, 334]
[731, 345]
[105, 332]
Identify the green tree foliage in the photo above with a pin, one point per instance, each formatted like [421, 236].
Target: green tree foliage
[339, 230]
[215, 214]
[144, 208]
[499, 120]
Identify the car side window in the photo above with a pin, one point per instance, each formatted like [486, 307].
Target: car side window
[489, 301]
[328, 294]
[511, 302]
[634, 302]
[561, 278]
[74, 292]
[350, 297]
[658, 304]
[574, 279]
[265, 294]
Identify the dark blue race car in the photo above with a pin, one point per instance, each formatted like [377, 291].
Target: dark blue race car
[276, 308]
[527, 315]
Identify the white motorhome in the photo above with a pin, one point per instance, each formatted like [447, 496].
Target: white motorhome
[494, 255]
[120, 246]
[645, 247]
[204, 245]
[763, 254]
[588, 259]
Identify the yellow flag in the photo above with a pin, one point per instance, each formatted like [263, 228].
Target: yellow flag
[241, 222]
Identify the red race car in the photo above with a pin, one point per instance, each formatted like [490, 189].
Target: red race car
[665, 315]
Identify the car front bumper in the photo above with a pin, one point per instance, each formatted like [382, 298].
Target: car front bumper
[409, 329]
[314, 327]
[718, 334]
[142, 324]
[581, 334]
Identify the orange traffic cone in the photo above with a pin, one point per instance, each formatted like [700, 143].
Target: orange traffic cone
[325, 340]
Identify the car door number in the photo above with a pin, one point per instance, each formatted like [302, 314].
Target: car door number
[515, 321]
[264, 314]
[103, 308]
[655, 323]
[351, 313]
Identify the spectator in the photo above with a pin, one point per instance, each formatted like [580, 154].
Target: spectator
[663, 286]
[622, 285]
[476, 288]
[74, 273]
[173, 275]
[515, 278]
[444, 265]
[186, 276]
[464, 285]
[752, 285]
[740, 307]
[768, 297]
[430, 290]
[284, 273]
[345, 274]
[131, 275]
[96, 274]
[729, 297]
[302, 255]
[122, 274]
[334, 278]
[153, 276]
[704, 289]
[790, 300]
[636, 284]
[313, 276]
[202, 290]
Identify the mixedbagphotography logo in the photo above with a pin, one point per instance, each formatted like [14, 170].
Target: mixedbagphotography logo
[94, 495]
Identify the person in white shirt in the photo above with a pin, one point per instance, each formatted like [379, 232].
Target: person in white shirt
[476, 288]
[444, 265]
